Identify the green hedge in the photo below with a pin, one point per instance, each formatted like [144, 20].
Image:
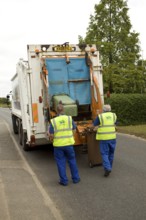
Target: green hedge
[130, 108]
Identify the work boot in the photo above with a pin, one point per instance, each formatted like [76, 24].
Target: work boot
[77, 181]
[63, 184]
[107, 173]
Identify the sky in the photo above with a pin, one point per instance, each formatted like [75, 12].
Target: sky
[24, 22]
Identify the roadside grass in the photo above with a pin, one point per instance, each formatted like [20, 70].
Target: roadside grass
[4, 106]
[137, 130]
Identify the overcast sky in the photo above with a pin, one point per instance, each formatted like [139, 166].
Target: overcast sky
[25, 22]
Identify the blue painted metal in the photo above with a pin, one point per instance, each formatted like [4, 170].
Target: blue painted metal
[72, 79]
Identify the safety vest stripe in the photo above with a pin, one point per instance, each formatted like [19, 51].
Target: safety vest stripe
[67, 136]
[67, 129]
[101, 119]
[55, 126]
[69, 122]
[112, 132]
[114, 117]
[100, 126]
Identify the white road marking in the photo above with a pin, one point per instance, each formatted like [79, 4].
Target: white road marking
[48, 201]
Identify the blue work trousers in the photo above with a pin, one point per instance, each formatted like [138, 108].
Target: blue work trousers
[63, 155]
[107, 149]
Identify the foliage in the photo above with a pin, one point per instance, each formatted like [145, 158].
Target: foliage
[130, 108]
[3, 100]
[5, 103]
[110, 29]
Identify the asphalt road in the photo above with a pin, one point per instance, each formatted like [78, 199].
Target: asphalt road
[121, 196]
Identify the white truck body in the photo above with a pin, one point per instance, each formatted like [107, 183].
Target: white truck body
[31, 101]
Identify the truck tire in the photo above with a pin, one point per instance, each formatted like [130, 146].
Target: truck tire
[20, 132]
[15, 124]
[90, 164]
[26, 147]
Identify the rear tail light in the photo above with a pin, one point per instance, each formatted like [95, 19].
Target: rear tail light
[32, 139]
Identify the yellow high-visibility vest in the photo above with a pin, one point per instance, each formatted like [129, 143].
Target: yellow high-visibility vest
[63, 133]
[106, 129]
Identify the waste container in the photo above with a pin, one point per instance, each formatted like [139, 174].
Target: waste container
[70, 107]
[94, 156]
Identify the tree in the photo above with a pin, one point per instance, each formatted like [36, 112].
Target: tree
[110, 29]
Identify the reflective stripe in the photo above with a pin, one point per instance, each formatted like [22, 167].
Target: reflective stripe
[63, 137]
[112, 132]
[101, 119]
[54, 122]
[67, 129]
[100, 126]
[35, 112]
[69, 123]
[114, 116]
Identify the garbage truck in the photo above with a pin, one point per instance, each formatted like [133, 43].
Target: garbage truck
[70, 73]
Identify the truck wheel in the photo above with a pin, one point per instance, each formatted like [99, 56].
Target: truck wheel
[26, 147]
[91, 165]
[15, 124]
[20, 132]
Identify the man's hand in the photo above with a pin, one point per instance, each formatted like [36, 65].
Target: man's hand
[50, 136]
[94, 128]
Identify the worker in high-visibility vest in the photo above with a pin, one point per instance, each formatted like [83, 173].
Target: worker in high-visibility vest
[106, 134]
[61, 132]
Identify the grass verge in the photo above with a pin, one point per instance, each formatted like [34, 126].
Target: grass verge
[5, 106]
[137, 130]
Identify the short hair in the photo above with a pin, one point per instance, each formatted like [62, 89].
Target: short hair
[106, 108]
[60, 107]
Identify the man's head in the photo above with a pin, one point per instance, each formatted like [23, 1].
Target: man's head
[60, 108]
[106, 108]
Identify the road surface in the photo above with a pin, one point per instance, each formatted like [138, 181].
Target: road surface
[121, 196]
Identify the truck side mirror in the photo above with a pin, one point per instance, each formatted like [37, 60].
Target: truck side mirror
[8, 99]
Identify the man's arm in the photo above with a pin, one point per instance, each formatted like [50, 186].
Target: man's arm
[51, 132]
[96, 122]
[73, 126]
